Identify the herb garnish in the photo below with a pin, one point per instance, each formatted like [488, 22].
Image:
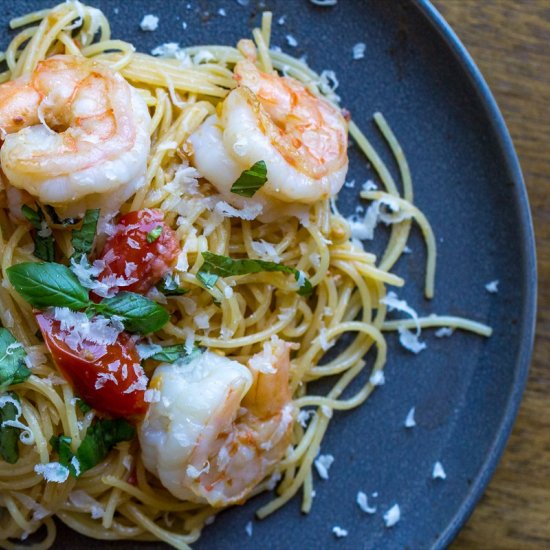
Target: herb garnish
[12, 360]
[46, 285]
[216, 266]
[83, 238]
[154, 234]
[250, 180]
[44, 245]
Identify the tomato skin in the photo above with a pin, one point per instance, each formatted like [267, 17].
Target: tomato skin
[129, 246]
[82, 369]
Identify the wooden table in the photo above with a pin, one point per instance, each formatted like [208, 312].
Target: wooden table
[510, 42]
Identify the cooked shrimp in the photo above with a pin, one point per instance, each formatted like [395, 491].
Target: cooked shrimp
[302, 138]
[219, 427]
[77, 134]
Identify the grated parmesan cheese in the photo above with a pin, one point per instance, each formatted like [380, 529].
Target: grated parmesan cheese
[304, 417]
[363, 503]
[149, 22]
[358, 51]
[281, 20]
[444, 332]
[85, 503]
[323, 464]
[222, 12]
[147, 350]
[250, 212]
[53, 472]
[339, 532]
[392, 516]
[492, 287]
[265, 250]
[249, 528]
[39, 512]
[410, 422]
[202, 320]
[377, 378]
[438, 471]
[291, 41]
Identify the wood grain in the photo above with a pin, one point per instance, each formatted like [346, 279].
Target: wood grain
[510, 42]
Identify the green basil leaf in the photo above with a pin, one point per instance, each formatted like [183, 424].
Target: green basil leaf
[47, 284]
[171, 354]
[215, 266]
[61, 444]
[12, 360]
[83, 406]
[169, 287]
[137, 313]
[9, 435]
[100, 438]
[250, 180]
[56, 219]
[154, 234]
[83, 238]
[44, 245]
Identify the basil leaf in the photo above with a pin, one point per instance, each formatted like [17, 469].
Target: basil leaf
[61, 444]
[44, 246]
[250, 180]
[83, 406]
[47, 284]
[171, 354]
[83, 238]
[56, 219]
[12, 360]
[100, 438]
[154, 234]
[9, 435]
[169, 287]
[137, 313]
[215, 266]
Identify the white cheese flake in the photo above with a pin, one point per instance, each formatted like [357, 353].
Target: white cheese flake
[281, 20]
[358, 51]
[438, 471]
[202, 320]
[410, 340]
[53, 472]
[339, 532]
[444, 332]
[249, 528]
[265, 250]
[323, 464]
[149, 22]
[392, 516]
[492, 287]
[410, 422]
[363, 503]
[85, 503]
[291, 41]
[377, 378]
[304, 416]
[222, 12]
[146, 350]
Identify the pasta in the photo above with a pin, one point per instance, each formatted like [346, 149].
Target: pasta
[118, 498]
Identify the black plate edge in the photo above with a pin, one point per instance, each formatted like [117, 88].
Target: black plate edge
[526, 327]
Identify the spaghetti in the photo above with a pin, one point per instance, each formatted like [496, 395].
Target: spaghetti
[118, 498]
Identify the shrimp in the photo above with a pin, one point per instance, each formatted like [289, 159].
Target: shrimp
[76, 135]
[302, 139]
[219, 427]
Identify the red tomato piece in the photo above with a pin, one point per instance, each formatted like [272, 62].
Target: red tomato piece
[129, 255]
[107, 377]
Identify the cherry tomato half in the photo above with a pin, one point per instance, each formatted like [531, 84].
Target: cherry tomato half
[108, 377]
[141, 251]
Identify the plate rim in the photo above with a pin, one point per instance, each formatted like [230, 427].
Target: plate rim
[529, 284]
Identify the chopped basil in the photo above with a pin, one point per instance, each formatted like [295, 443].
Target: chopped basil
[169, 287]
[215, 266]
[12, 360]
[9, 435]
[100, 438]
[137, 313]
[83, 406]
[171, 354]
[56, 219]
[154, 234]
[48, 284]
[44, 246]
[250, 180]
[83, 238]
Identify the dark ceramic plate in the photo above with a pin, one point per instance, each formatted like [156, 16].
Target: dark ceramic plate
[466, 389]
